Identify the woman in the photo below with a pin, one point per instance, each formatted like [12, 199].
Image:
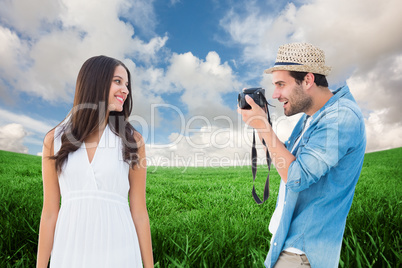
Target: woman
[93, 160]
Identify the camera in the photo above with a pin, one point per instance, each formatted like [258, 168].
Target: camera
[257, 94]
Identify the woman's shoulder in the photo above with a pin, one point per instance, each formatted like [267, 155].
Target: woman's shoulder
[48, 141]
[49, 137]
[138, 138]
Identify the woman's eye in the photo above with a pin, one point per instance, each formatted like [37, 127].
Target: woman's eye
[117, 81]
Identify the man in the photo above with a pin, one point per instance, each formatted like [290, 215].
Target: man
[319, 164]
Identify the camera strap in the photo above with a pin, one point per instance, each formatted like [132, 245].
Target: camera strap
[254, 165]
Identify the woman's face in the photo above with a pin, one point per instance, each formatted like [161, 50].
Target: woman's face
[118, 89]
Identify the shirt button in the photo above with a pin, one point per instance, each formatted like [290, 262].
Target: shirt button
[275, 244]
[284, 203]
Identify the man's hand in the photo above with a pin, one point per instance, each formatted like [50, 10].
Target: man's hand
[256, 117]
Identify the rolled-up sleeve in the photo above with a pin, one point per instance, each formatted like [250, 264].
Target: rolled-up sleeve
[337, 131]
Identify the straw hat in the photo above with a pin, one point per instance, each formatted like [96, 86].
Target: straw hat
[300, 57]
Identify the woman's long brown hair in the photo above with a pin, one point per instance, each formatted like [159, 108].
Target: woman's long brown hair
[90, 111]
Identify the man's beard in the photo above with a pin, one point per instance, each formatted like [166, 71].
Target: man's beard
[298, 101]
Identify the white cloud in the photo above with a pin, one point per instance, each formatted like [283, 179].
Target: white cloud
[174, 2]
[84, 29]
[33, 50]
[378, 92]
[42, 53]
[362, 42]
[147, 85]
[353, 34]
[209, 146]
[258, 32]
[380, 135]
[199, 85]
[141, 13]
[203, 83]
[213, 144]
[31, 124]
[357, 33]
[12, 137]
[17, 131]
[22, 130]
[13, 53]
[379, 97]
[29, 17]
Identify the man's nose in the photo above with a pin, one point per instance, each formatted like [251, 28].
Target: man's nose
[276, 94]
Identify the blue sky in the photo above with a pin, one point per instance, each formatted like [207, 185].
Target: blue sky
[189, 60]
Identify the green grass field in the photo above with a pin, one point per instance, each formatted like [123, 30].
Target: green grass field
[206, 217]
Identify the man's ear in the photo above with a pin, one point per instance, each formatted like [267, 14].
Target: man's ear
[309, 80]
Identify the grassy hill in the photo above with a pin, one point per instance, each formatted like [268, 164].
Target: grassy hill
[206, 216]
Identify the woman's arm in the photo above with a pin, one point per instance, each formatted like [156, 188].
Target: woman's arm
[51, 202]
[138, 206]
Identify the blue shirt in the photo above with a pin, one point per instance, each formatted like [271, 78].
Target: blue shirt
[321, 182]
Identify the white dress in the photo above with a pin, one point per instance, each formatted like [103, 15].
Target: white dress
[94, 227]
